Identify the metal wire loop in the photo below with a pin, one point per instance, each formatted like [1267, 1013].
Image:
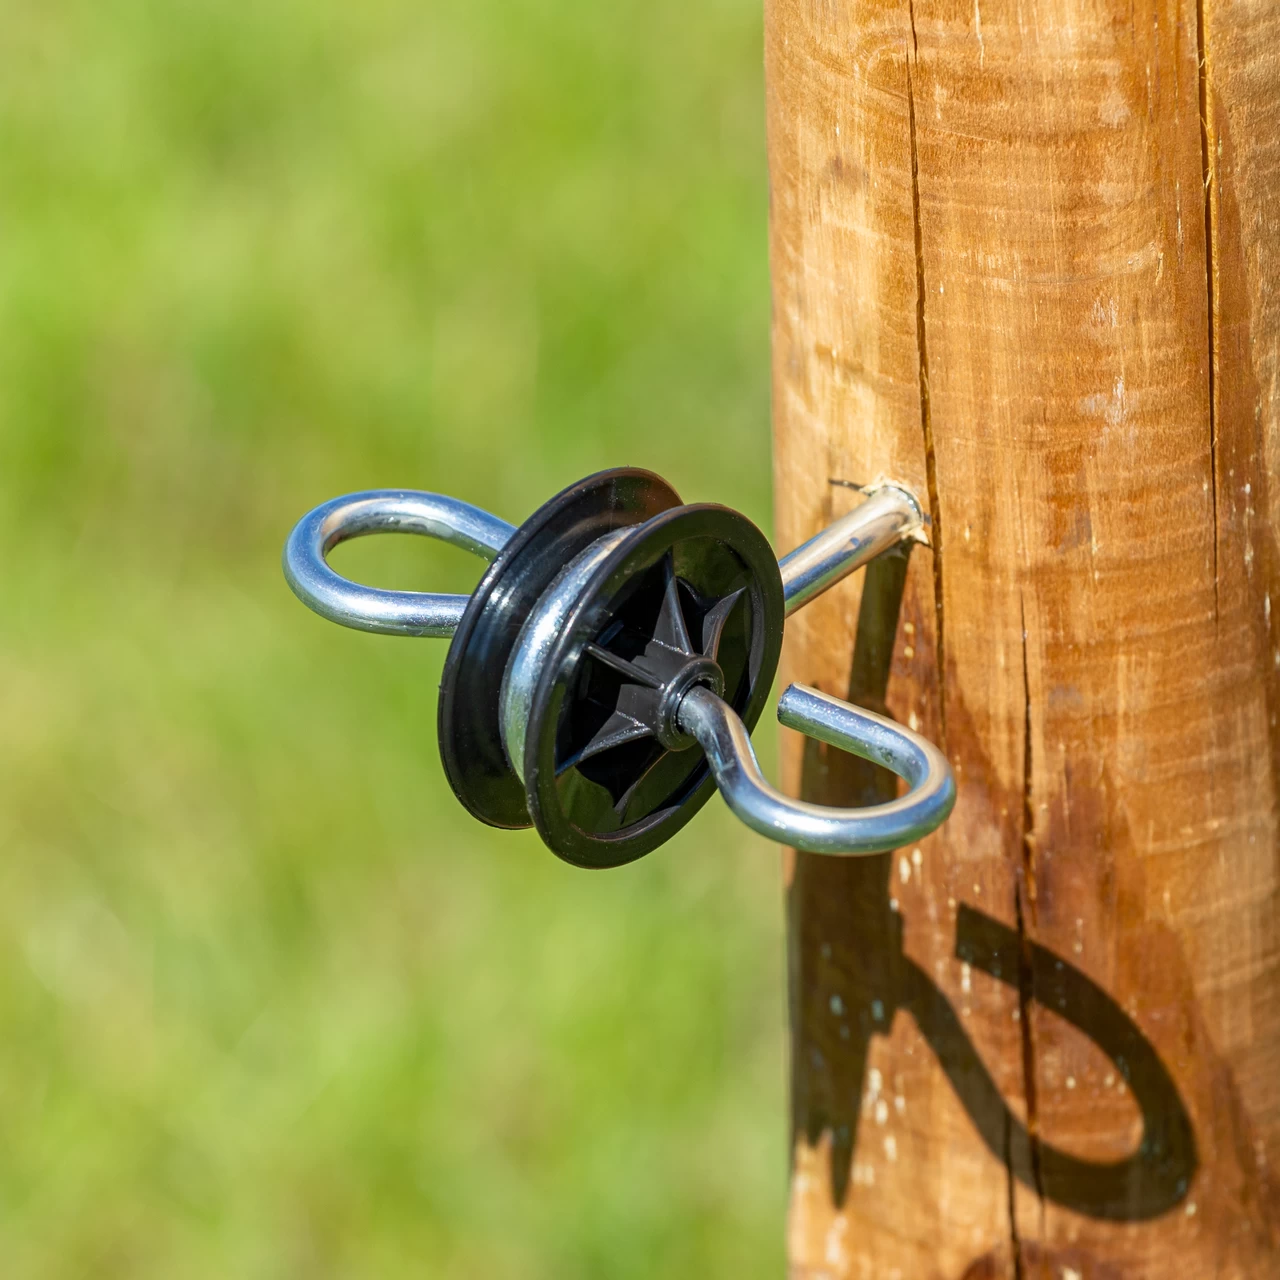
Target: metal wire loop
[399, 613]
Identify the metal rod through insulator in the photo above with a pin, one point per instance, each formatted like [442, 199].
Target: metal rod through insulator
[888, 515]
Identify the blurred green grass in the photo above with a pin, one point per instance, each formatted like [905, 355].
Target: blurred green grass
[271, 1004]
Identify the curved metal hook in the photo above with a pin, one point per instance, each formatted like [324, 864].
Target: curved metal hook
[399, 613]
[814, 827]
[889, 515]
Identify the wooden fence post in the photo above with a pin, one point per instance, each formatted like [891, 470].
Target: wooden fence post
[1026, 260]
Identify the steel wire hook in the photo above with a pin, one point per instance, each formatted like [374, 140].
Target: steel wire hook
[819, 828]
[695, 708]
[888, 515]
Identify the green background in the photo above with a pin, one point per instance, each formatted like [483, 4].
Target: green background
[271, 1004]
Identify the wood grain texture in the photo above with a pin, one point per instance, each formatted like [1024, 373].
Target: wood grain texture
[1026, 260]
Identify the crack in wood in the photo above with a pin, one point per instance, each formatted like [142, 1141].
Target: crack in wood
[1210, 269]
[1024, 903]
[1011, 1182]
[926, 416]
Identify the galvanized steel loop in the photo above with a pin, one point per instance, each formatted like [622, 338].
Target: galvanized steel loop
[402, 613]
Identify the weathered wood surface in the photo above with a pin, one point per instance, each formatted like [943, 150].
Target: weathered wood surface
[1026, 259]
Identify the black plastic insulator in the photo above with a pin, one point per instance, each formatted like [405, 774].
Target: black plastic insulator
[471, 748]
[693, 596]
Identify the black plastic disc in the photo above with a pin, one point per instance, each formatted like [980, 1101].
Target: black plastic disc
[470, 737]
[693, 597]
